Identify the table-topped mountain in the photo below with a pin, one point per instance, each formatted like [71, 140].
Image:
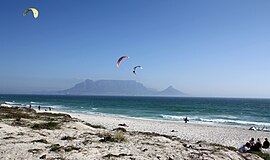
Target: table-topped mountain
[116, 87]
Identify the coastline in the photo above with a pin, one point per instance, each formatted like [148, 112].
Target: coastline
[29, 134]
[226, 135]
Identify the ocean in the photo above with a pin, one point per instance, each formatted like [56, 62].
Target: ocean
[224, 111]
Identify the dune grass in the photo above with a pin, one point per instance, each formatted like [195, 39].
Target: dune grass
[118, 137]
[260, 154]
[46, 125]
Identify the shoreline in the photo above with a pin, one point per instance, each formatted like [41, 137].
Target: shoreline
[216, 121]
[226, 135]
[246, 125]
[26, 133]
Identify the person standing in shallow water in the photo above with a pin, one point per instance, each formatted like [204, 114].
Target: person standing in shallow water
[39, 108]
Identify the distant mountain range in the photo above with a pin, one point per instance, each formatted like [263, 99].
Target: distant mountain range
[117, 87]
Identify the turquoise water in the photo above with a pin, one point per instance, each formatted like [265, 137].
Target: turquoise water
[228, 111]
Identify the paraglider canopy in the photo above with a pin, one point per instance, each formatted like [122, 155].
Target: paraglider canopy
[120, 60]
[134, 69]
[34, 10]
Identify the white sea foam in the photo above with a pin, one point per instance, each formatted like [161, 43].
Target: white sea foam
[172, 117]
[228, 116]
[53, 106]
[217, 120]
[240, 122]
[33, 102]
[11, 103]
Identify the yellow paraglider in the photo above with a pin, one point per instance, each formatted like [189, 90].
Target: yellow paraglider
[35, 12]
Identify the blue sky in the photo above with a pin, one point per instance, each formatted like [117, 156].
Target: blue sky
[203, 48]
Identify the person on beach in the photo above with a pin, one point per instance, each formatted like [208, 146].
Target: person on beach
[39, 108]
[265, 143]
[186, 120]
[257, 146]
[30, 106]
[50, 109]
[252, 141]
[244, 148]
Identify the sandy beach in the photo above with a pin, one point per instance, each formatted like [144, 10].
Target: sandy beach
[84, 136]
[225, 135]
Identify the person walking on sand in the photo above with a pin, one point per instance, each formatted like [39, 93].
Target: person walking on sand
[30, 106]
[186, 120]
[265, 143]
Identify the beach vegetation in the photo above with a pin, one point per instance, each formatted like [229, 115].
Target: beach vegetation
[105, 137]
[68, 138]
[231, 148]
[120, 129]
[34, 151]
[95, 126]
[18, 123]
[111, 156]
[9, 137]
[71, 148]
[16, 113]
[260, 154]
[87, 141]
[20, 113]
[46, 125]
[55, 147]
[222, 146]
[117, 137]
[58, 148]
[54, 116]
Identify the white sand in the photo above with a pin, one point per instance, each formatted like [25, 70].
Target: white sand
[225, 135]
[17, 142]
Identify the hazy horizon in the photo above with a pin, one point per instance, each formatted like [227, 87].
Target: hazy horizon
[202, 48]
